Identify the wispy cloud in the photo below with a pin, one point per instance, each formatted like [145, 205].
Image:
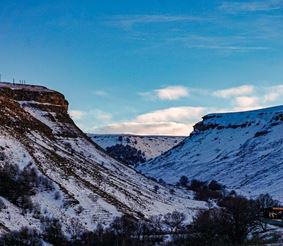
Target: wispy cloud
[230, 43]
[167, 93]
[180, 120]
[229, 47]
[100, 93]
[248, 97]
[169, 121]
[76, 114]
[241, 36]
[176, 114]
[252, 6]
[86, 119]
[273, 93]
[152, 128]
[128, 21]
[246, 103]
[234, 91]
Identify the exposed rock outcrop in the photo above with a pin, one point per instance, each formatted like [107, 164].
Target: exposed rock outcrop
[242, 150]
[36, 131]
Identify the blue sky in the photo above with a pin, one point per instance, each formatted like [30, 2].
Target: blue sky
[147, 67]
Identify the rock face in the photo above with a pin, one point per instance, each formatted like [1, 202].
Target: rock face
[36, 131]
[146, 147]
[242, 150]
[38, 94]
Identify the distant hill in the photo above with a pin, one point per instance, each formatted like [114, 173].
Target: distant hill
[241, 150]
[133, 149]
[50, 168]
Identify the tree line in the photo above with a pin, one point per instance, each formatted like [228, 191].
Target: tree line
[235, 220]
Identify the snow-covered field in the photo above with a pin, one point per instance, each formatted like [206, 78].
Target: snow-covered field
[93, 187]
[151, 146]
[242, 150]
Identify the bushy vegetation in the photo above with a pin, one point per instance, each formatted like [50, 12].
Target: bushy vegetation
[24, 237]
[126, 154]
[127, 231]
[52, 232]
[229, 224]
[228, 221]
[204, 191]
[234, 221]
[18, 186]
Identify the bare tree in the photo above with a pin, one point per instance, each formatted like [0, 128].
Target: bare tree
[174, 220]
[75, 228]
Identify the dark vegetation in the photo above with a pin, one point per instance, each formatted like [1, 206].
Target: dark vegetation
[24, 237]
[229, 223]
[126, 154]
[18, 186]
[204, 191]
[230, 220]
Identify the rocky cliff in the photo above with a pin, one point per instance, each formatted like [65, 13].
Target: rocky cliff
[36, 132]
[242, 150]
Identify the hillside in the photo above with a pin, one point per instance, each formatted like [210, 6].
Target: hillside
[242, 150]
[37, 135]
[148, 147]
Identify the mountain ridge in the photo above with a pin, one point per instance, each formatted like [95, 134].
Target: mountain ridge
[150, 146]
[36, 131]
[242, 150]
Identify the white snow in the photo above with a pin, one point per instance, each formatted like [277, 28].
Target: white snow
[94, 187]
[151, 146]
[242, 150]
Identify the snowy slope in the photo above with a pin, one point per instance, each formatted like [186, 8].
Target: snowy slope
[150, 146]
[242, 150]
[36, 130]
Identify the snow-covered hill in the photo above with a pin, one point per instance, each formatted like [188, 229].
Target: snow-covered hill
[150, 146]
[242, 150]
[36, 131]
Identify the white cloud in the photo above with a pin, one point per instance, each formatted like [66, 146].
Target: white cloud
[128, 21]
[252, 6]
[101, 115]
[86, 119]
[273, 93]
[151, 128]
[100, 93]
[248, 97]
[172, 92]
[169, 121]
[179, 120]
[169, 93]
[246, 103]
[235, 91]
[176, 114]
[76, 114]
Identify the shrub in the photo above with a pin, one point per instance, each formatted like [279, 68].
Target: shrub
[205, 194]
[2, 205]
[266, 201]
[52, 232]
[175, 221]
[228, 225]
[126, 154]
[241, 216]
[197, 185]
[75, 229]
[214, 185]
[184, 181]
[156, 188]
[24, 237]
[57, 195]
[18, 185]
[208, 228]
